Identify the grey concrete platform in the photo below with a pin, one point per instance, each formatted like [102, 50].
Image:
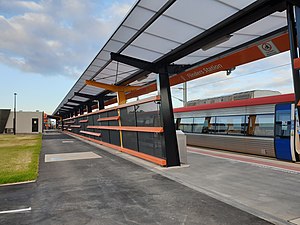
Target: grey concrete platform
[109, 190]
[266, 191]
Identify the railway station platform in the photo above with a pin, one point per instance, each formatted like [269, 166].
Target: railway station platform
[89, 185]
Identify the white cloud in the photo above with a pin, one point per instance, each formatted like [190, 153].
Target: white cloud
[56, 37]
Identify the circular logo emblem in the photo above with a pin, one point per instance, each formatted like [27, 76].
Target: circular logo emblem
[266, 47]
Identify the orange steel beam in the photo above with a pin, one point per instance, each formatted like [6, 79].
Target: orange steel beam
[75, 126]
[250, 54]
[120, 90]
[90, 133]
[109, 118]
[111, 87]
[129, 128]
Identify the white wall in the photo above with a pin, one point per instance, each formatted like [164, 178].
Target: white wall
[24, 121]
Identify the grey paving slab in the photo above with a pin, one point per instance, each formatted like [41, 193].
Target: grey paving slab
[71, 156]
[110, 191]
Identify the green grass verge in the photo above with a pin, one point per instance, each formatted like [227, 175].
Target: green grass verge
[19, 157]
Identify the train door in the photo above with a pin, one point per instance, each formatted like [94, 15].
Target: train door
[284, 138]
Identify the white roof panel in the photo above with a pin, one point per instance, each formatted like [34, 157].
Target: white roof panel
[143, 16]
[198, 10]
[173, 29]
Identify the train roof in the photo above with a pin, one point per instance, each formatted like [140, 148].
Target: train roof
[239, 103]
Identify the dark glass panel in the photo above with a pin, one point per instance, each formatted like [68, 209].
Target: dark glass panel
[148, 115]
[128, 117]
[151, 143]
[114, 137]
[130, 140]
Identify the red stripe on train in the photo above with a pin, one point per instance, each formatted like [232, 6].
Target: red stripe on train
[239, 103]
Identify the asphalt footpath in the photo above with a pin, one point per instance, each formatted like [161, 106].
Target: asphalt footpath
[108, 190]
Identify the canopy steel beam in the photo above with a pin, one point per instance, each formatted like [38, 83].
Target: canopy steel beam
[63, 110]
[76, 101]
[84, 95]
[73, 106]
[148, 66]
[67, 107]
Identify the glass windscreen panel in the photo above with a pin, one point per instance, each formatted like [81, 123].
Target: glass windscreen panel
[148, 115]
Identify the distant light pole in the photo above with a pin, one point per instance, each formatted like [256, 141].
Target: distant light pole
[15, 114]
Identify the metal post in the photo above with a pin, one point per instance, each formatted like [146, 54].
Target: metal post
[89, 107]
[62, 124]
[15, 114]
[184, 94]
[293, 26]
[81, 110]
[100, 103]
[172, 155]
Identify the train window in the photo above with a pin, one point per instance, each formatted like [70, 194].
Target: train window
[233, 125]
[209, 126]
[283, 123]
[186, 125]
[264, 125]
[198, 125]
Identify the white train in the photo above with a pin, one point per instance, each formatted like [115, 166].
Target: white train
[263, 126]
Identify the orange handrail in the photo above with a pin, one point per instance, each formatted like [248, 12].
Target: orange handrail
[129, 128]
[90, 133]
[109, 118]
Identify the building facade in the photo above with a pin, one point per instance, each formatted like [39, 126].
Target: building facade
[234, 97]
[26, 122]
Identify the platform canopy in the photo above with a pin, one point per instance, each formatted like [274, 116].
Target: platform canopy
[187, 32]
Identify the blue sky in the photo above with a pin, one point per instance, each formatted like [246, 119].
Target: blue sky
[46, 45]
